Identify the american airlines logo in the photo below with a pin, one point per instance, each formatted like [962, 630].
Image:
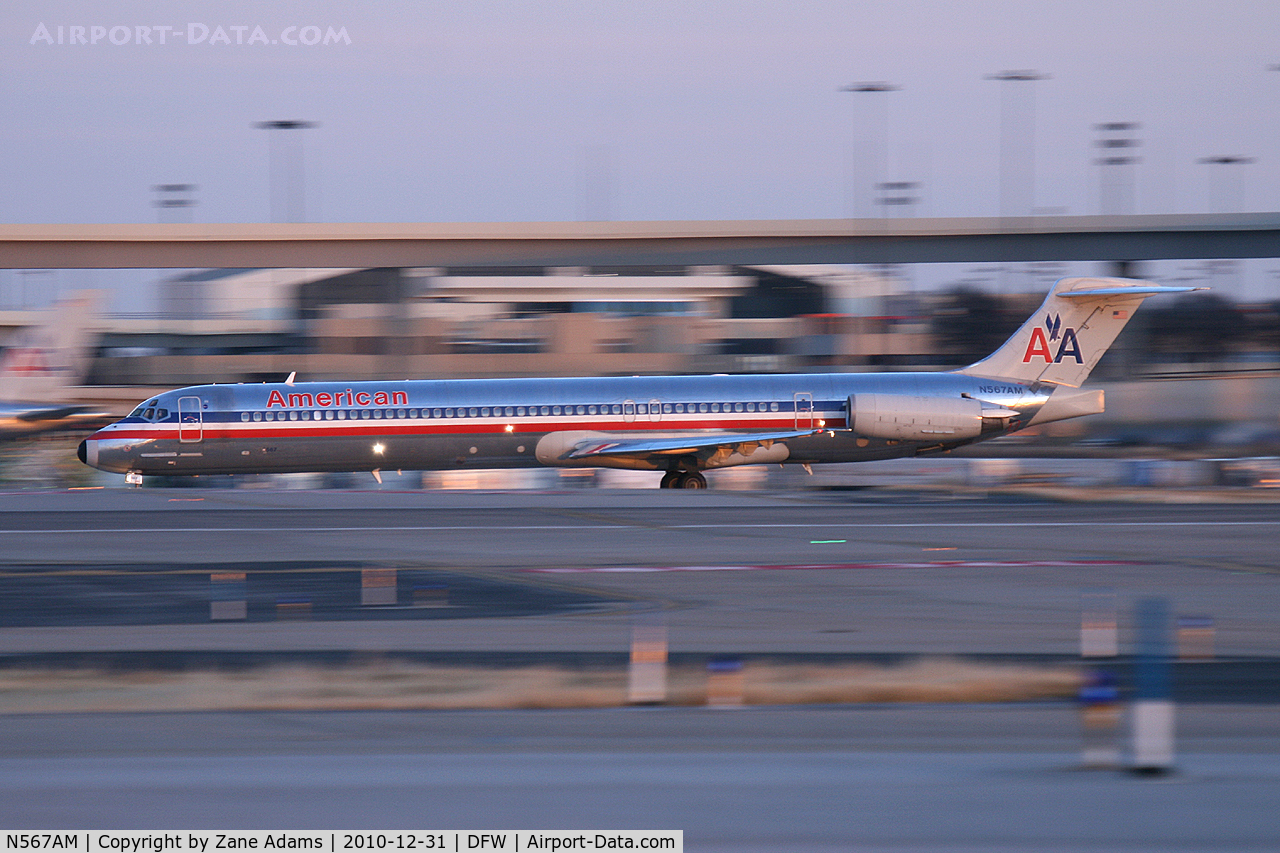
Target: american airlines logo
[1043, 336]
[337, 398]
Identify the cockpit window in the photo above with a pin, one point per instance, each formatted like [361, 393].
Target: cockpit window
[145, 410]
[161, 414]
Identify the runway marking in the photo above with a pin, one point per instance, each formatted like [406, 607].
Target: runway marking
[622, 523]
[941, 564]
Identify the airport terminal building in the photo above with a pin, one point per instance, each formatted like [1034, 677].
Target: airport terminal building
[253, 325]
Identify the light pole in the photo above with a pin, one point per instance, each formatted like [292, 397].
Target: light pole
[175, 199]
[25, 275]
[287, 197]
[898, 196]
[1116, 190]
[595, 184]
[1017, 137]
[1226, 195]
[879, 154]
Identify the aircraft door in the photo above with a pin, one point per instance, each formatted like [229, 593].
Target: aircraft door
[804, 410]
[629, 411]
[655, 410]
[190, 420]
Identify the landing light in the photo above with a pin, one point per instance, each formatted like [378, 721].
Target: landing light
[510, 428]
[378, 448]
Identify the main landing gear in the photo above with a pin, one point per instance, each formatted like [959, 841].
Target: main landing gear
[683, 480]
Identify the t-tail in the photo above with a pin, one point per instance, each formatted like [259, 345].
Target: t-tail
[1065, 338]
[44, 359]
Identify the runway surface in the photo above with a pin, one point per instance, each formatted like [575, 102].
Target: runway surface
[726, 572]
[566, 573]
[986, 777]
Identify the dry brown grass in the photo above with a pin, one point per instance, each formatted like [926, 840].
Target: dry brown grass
[395, 685]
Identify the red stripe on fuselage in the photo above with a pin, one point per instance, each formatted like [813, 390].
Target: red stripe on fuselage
[372, 428]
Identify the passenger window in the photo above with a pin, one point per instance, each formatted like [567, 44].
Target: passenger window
[703, 408]
[545, 410]
[737, 407]
[617, 409]
[679, 408]
[270, 416]
[364, 415]
[244, 416]
[402, 414]
[592, 410]
[342, 415]
[435, 413]
[642, 408]
[773, 407]
[257, 416]
[328, 415]
[484, 413]
[751, 407]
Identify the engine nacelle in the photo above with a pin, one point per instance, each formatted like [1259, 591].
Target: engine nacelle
[899, 416]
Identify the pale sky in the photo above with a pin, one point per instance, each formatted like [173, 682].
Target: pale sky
[552, 110]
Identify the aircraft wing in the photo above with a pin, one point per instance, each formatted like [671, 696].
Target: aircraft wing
[49, 413]
[24, 419]
[682, 444]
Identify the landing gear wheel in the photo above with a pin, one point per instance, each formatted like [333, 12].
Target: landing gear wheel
[669, 480]
[691, 480]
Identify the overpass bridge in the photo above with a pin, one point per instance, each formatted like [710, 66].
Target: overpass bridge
[551, 244]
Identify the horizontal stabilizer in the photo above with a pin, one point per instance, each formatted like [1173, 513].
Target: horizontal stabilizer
[1144, 290]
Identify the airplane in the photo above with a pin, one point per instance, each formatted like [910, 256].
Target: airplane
[678, 425]
[38, 367]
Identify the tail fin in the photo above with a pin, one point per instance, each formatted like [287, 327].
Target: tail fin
[1064, 339]
[44, 359]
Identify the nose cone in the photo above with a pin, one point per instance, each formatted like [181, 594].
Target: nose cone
[88, 453]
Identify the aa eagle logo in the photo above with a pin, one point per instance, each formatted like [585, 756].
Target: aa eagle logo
[1043, 336]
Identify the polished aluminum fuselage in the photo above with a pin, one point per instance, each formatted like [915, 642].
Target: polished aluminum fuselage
[500, 423]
